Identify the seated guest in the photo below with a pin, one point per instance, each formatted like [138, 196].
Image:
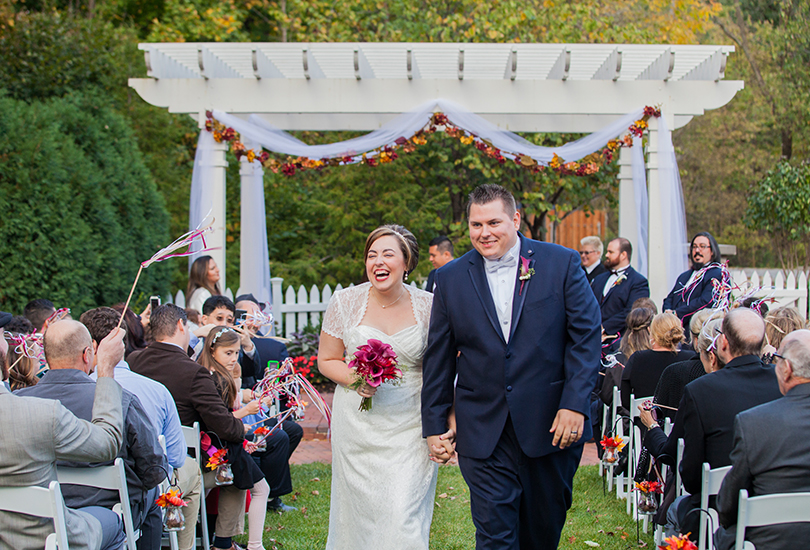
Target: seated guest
[644, 368]
[636, 338]
[197, 400]
[646, 302]
[675, 377]
[38, 311]
[203, 282]
[696, 322]
[771, 450]
[4, 319]
[706, 413]
[20, 325]
[162, 413]
[590, 254]
[617, 289]
[778, 324]
[135, 333]
[68, 382]
[38, 432]
[694, 289]
[275, 461]
[23, 369]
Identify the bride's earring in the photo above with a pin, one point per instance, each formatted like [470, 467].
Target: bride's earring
[406, 276]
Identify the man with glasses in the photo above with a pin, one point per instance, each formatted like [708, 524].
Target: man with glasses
[590, 254]
[693, 289]
[770, 452]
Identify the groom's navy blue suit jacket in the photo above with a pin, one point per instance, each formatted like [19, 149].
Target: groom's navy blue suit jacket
[551, 360]
[619, 299]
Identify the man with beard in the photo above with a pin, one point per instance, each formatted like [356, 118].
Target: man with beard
[693, 289]
[618, 288]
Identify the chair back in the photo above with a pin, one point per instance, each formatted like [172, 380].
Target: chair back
[112, 478]
[770, 510]
[678, 485]
[710, 485]
[192, 436]
[42, 503]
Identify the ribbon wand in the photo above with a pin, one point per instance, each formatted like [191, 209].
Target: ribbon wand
[170, 251]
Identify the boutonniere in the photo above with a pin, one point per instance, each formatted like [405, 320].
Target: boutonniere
[620, 279]
[526, 273]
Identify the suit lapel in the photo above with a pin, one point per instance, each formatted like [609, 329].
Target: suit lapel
[479, 281]
[519, 297]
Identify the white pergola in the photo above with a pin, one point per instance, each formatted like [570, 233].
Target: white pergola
[519, 87]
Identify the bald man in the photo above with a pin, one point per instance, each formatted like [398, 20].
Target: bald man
[38, 432]
[711, 402]
[770, 451]
[68, 381]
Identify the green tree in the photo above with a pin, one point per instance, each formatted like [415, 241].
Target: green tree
[779, 205]
[80, 207]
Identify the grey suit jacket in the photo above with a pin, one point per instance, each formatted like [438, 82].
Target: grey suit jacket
[38, 432]
[770, 455]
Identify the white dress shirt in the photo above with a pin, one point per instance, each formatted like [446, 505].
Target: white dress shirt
[501, 277]
[614, 276]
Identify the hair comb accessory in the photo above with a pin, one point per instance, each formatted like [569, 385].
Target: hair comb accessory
[220, 333]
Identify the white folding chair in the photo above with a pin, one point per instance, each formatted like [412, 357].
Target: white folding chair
[165, 486]
[679, 491]
[618, 426]
[659, 529]
[710, 485]
[192, 437]
[634, 451]
[42, 503]
[111, 478]
[769, 510]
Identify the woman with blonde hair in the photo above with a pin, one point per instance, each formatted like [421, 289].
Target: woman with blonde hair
[779, 323]
[644, 368]
[203, 282]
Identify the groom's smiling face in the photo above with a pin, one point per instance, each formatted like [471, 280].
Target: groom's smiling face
[493, 230]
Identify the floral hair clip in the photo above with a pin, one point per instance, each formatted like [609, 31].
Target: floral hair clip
[220, 333]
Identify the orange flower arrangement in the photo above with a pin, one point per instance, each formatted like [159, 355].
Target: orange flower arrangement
[171, 498]
[217, 459]
[612, 443]
[650, 487]
[681, 542]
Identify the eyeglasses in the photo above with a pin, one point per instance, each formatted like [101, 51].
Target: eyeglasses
[776, 355]
[701, 246]
[587, 252]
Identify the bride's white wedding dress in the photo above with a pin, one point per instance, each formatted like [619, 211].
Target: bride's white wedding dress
[383, 483]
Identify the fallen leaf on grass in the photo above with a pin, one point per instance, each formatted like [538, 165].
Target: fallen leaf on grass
[571, 539]
[316, 493]
[591, 543]
[443, 495]
[452, 498]
[315, 479]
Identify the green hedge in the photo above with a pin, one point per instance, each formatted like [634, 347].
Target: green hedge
[78, 208]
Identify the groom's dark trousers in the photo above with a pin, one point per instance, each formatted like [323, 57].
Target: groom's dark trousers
[507, 394]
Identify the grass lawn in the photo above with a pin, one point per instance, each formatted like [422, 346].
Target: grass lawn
[593, 517]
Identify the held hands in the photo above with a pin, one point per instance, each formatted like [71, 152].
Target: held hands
[645, 414]
[364, 390]
[567, 428]
[110, 352]
[442, 447]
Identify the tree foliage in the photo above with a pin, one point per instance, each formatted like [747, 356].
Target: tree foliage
[80, 209]
[779, 205]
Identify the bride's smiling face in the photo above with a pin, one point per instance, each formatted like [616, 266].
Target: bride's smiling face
[385, 263]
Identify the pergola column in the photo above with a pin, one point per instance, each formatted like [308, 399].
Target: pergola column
[657, 266]
[628, 219]
[253, 270]
[215, 197]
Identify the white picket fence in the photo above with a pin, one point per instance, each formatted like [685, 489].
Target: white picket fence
[790, 291]
[294, 309]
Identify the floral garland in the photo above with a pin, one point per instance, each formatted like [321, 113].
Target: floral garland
[589, 165]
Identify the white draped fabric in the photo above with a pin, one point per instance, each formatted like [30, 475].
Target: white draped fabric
[642, 205]
[257, 132]
[673, 212]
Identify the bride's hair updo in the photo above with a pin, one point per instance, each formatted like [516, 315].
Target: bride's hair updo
[407, 244]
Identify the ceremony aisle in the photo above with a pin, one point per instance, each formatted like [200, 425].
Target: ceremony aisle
[593, 518]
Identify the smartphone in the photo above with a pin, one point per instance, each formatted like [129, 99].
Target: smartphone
[240, 316]
[154, 301]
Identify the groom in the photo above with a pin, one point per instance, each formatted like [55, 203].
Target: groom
[515, 320]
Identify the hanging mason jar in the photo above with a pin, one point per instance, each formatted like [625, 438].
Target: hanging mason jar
[647, 503]
[224, 474]
[173, 519]
[610, 456]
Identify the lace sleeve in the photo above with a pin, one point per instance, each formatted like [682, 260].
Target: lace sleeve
[333, 322]
[422, 305]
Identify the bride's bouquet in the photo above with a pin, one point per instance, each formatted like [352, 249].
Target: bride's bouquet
[375, 363]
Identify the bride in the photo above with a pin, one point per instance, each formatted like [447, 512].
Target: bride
[383, 482]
